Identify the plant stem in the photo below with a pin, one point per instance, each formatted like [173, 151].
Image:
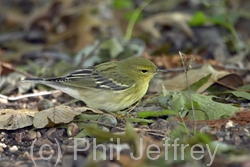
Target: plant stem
[133, 19]
[189, 91]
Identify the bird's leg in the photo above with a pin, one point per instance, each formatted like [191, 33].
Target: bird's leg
[133, 106]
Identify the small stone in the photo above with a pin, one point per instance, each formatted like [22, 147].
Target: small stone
[229, 124]
[13, 149]
[3, 145]
[44, 104]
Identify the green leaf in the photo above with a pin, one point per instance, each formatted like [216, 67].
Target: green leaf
[244, 95]
[205, 107]
[179, 102]
[121, 4]
[145, 114]
[82, 133]
[140, 120]
[242, 92]
[165, 101]
[37, 69]
[220, 19]
[179, 132]
[195, 86]
[245, 87]
[200, 138]
[84, 117]
[113, 46]
[198, 19]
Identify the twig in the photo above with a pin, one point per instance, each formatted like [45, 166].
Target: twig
[189, 91]
[178, 69]
[29, 95]
[232, 68]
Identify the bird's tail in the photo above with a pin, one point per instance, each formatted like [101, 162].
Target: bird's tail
[34, 80]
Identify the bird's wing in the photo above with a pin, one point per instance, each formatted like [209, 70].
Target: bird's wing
[111, 82]
[93, 78]
[78, 78]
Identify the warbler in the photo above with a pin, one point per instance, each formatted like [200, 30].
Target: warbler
[111, 86]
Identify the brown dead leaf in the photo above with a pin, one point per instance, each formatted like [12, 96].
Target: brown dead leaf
[83, 109]
[63, 20]
[12, 19]
[44, 16]
[231, 81]
[240, 118]
[15, 119]
[175, 19]
[55, 115]
[224, 78]
[78, 29]
[5, 68]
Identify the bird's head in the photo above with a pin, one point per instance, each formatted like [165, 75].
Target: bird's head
[139, 69]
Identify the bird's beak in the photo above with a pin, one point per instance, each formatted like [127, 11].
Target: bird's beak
[159, 70]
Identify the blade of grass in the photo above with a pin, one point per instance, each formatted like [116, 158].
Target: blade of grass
[134, 18]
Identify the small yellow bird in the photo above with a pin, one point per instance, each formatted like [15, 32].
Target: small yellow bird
[111, 86]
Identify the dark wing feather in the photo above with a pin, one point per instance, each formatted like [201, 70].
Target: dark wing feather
[93, 78]
[78, 78]
[108, 83]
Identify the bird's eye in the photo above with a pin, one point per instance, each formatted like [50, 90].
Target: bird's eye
[144, 71]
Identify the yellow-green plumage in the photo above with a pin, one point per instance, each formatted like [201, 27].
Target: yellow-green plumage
[111, 86]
